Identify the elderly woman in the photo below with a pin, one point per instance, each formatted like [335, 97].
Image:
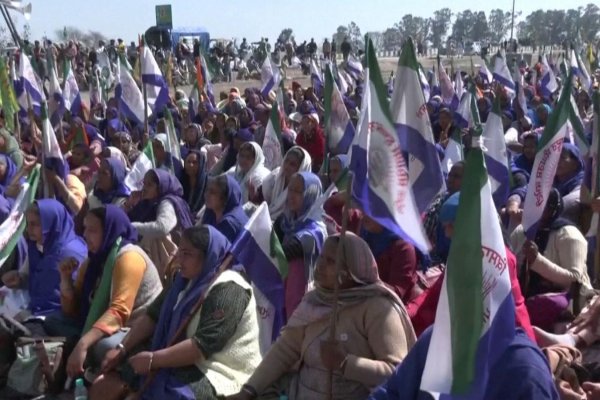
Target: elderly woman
[250, 170]
[224, 206]
[219, 347]
[160, 215]
[311, 136]
[374, 332]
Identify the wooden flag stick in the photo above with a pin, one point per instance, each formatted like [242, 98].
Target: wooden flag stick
[338, 268]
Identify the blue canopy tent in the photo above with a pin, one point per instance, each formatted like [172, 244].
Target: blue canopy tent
[191, 32]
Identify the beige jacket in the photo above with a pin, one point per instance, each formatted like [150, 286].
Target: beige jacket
[374, 334]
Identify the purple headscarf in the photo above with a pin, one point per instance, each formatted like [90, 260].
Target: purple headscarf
[172, 313]
[118, 172]
[169, 189]
[59, 243]
[11, 171]
[576, 180]
[115, 225]
[234, 216]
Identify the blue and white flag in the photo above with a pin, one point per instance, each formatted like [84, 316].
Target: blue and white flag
[129, 96]
[157, 88]
[341, 79]
[435, 83]
[496, 156]
[449, 97]
[520, 90]
[28, 86]
[270, 77]
[71, 93]
[339, 130]
[485, 73]
[503, 76]
[51, 152]
[409, 113]
[582, 72]
[316, 78]
[382, 186]
[56, 101]
[259, 251]
[548, 84]
[459, 89]
[355, 68]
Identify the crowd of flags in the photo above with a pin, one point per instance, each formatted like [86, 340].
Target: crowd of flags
[395, 166]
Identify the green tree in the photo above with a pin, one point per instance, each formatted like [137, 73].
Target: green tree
[340, 34]
[462, 30]
[499, 24]
[440, 23]
[415, 27]
[391, 39]
[355, 37]
[590, 22]
[480, 29]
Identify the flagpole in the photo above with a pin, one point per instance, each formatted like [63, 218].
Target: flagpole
[144, 92]
[338, 268]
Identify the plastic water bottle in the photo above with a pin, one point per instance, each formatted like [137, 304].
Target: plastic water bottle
[80, 390]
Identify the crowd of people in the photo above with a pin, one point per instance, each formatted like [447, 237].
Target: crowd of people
[142, 284]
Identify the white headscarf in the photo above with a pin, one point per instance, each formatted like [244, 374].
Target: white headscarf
[274, 189]
[118, 154]
[255, 175]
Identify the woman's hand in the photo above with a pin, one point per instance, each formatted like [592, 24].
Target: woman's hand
[29, 162]
[133, 199]
[111, 360]
[141, 362]
[66, 268]
[530, 251]
[76, 360]
[592, 390]
[586, 318]
[12, 279]
[332, 354]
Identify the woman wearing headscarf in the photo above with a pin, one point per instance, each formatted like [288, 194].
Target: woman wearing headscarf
[542, 112]
[110, 184]
[124, 142]
[51, 239]
[116, 153]
[101, 310]
[569, 177]
[396, 258]
[224, 159]
[219, 349]
[82, 133]
[161, 214]
[193, 139]
[165, 160]
[335, 204]
[83, 164]
[310, 137]
[10, 146]
[250, 170]
[224, 210]
[8, 170]
[194, 179]
[556, 259]
[301, 232]
[374, 336]
[274, 188]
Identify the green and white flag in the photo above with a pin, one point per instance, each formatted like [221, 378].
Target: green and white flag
[13, 227]
[475, 317]
[144, 163]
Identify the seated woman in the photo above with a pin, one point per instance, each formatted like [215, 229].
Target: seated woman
[396, 258]
[110, 184]
[275, 185]
[165, 160]
[51, 239]
[556, 259]
[521, 171]
[114, 286]
[219, 348]
[194, 179]
[301, 232]
[374, 332]
[569, 177]
[83, 164]
[222, 156]
[250, 170]
[224, 206]
[159, 216]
